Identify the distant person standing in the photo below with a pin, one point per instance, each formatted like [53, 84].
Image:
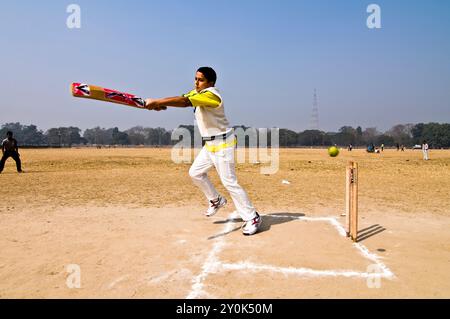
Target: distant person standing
[425, 150]
[350, 147]
[382, 147]
[398, 147]
[10, 149]
[403, 148]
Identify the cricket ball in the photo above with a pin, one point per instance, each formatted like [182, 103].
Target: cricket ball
[333, 151]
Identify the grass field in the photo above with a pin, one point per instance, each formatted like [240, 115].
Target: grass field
[132, 220]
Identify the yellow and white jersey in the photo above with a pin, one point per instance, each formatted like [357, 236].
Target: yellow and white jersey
[209, 111]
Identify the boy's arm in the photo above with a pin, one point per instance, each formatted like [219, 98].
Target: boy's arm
[162, 104]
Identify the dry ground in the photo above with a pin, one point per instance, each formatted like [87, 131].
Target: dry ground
[132, 221]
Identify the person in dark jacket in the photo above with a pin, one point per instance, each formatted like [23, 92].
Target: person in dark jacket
[10, 149]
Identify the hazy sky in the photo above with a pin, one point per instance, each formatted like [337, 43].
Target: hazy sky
[269, 56]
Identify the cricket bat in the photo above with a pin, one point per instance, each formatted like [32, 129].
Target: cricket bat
[108, 95]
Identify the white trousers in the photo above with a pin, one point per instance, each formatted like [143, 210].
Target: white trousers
[425, 154]
[223, 161]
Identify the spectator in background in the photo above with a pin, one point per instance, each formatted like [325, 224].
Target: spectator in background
[425, 150]
[10, 149]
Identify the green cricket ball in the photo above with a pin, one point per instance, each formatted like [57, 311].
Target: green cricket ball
[333, 151]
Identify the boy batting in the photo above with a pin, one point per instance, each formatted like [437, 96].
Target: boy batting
[218, 150]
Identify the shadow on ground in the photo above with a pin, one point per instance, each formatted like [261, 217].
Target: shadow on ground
[267, 222]
[369, 232]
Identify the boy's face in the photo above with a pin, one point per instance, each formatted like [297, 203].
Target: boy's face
[201, 82]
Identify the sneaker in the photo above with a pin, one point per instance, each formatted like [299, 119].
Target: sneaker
[215, 205]
[251, 227]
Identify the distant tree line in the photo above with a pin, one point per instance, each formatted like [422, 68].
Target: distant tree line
[29, 135]
[437, 135]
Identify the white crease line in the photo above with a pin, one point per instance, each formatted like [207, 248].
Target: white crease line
[387, 273]
[375, 258]
[162, 277]
[115, 282]
[307, 272]
[331, 220]
[338, 226]
[211, 264]
[177, 274]
[364, 251]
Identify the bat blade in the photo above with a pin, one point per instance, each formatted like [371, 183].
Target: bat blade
[100, 93]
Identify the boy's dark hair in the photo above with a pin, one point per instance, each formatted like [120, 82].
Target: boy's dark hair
[209, 73]
[9, 133]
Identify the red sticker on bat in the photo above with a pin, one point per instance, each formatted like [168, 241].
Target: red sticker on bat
[81, 89]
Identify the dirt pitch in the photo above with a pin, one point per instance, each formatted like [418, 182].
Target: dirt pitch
[132, 221]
